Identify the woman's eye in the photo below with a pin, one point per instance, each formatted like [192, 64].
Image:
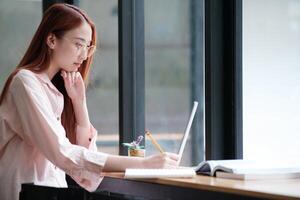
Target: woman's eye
[78, 45]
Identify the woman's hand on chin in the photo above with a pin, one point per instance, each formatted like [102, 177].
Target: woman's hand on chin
[74, 85]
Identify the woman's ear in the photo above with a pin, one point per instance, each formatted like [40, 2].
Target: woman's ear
[51, 41]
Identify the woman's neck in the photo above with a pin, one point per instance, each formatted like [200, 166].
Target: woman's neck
[51, 71]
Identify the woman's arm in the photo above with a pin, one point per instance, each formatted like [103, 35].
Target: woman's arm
[76, 91]
[81, 113]
[116, 163]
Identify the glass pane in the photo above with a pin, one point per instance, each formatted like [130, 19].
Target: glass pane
[167, 74]
[271, 84]
[103, 89]
[18, 22]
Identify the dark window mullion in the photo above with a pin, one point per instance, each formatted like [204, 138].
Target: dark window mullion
[223, 79]
[238, 78]
[196, 78]
[131, 71]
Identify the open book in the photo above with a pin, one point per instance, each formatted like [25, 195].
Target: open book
[248, 170]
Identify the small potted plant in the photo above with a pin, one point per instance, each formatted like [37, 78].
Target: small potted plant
[134, 148]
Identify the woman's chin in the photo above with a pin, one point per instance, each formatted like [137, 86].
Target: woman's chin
[70, 69]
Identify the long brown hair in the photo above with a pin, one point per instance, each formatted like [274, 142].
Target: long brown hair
[57, 19]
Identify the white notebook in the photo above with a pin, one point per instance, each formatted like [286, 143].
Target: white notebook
[160, 173]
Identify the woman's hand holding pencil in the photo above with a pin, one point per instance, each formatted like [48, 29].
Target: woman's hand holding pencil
[163, 160]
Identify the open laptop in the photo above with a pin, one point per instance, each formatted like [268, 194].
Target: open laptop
[187, 131]
[168, 173]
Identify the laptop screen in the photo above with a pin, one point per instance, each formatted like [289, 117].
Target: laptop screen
[187, 131]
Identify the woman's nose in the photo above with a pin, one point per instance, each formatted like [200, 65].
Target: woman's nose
[83, 54]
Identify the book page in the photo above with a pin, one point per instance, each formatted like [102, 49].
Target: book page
[248, 166]
[160, 173]
[258, 176]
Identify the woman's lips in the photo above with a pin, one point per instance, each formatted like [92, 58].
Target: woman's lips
[77, 64]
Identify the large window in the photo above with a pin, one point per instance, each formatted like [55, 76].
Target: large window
[18, 22]
[168, 75]
[102, 93]
[271, 46]
[174, 67]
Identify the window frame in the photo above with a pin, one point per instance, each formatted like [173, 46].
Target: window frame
[131, 71]
[223, 79]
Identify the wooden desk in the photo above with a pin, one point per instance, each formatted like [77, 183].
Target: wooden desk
[202, 186]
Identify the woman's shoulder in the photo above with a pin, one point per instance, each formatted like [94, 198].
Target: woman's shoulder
[25, 77]
[24, 73]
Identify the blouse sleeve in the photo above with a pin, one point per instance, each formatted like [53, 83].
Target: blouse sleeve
[42, 130]
[90, 141]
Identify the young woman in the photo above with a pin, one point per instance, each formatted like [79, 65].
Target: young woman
[45, 129]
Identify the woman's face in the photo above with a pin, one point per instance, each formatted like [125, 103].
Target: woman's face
[72, 49]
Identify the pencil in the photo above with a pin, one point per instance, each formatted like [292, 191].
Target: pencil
[154, 142]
